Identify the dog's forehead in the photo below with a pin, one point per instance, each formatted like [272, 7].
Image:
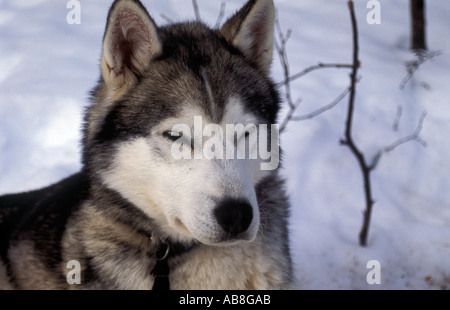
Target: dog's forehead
[200, 74]
[236, 112]
[192, 114]
[209, 92]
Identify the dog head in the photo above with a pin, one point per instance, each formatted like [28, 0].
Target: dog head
[164, 112]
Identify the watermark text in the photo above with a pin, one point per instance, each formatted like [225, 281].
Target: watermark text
[239, 141]
[374, 275]
[374, 15]
[73, 17]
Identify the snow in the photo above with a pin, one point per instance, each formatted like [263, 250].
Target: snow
[48, 67]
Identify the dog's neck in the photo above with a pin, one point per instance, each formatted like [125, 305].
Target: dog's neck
[164, 249]
[161, 271]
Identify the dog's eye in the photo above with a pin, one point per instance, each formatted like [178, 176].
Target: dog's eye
[171, 135]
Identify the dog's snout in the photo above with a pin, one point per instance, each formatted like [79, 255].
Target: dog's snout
[234, 216]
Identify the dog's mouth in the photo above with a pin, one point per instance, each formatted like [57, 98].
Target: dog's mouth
[180, 225]
[223, 239]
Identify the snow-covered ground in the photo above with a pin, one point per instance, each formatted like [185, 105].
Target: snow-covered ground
[48, 67]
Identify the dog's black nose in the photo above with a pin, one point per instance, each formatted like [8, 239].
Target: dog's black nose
[234, 216]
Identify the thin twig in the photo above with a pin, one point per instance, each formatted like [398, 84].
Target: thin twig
[282, 53]
[414, 136]
[196, 10]
[322, 109]
[281, 49]
[348, 133]
[394, 145]
[398, 115]
[412, 66]
[290, 115]
[166, 18]
[312, 68]
[221, 14]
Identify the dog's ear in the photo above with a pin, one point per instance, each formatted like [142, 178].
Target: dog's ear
[129, 44]
[251, 30]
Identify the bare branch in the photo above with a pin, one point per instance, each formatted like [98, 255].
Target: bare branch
[166, 18]
[394, 145]
[196, 10]
[290, 114]
[281, 49]
[365, 168]
[412, 137]
[322, 109]
[221, 14]
[413, 65]
[398, 115]
[312, 68]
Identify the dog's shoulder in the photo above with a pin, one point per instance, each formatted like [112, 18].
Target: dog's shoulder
[36, 210]
[49, 199]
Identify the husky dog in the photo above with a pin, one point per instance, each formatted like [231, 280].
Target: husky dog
[135, 217]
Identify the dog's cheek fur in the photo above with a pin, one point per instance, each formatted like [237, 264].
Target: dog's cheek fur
[132, 174]
[138, 181]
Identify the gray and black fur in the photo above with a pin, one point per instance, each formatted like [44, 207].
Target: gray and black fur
[87, 219]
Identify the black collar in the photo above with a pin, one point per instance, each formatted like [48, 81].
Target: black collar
[161, 270]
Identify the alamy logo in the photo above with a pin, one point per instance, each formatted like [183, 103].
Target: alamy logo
[74, 275]
[74, 15]
[374, 275]
[374, 15]
[237, 142]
